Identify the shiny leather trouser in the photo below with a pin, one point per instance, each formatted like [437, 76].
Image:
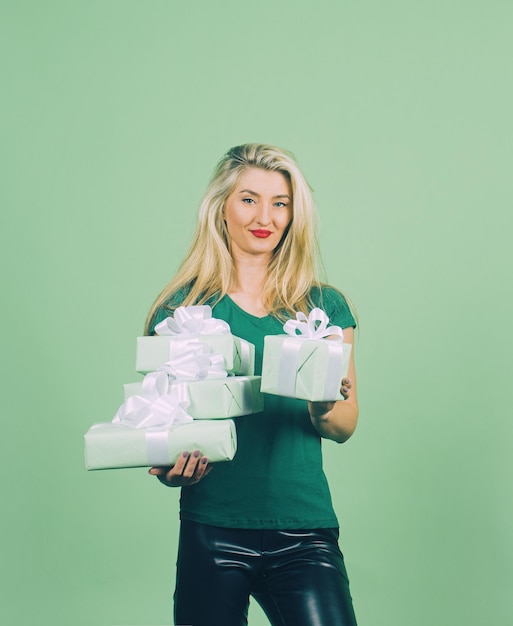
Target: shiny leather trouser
[297, 576]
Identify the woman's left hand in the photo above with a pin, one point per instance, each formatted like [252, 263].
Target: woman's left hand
[318, 409]
[345, 388]
[337, 420]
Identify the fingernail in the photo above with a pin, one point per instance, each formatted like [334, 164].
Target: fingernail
[185, 455]
[204, 460]
[196, 454]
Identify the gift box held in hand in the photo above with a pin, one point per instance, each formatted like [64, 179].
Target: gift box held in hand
[153, 427]
[198, 376]
[194, 323]
[113, 446]
[216, 399]
[308, 362]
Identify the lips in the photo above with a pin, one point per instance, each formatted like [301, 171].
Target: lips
[261, 234]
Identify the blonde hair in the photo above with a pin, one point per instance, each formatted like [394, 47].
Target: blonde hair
[206, 274]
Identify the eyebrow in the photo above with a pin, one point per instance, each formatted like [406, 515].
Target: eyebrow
[254, 193]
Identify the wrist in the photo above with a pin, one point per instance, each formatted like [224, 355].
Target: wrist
[320, 411]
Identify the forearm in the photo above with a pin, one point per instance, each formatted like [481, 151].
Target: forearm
[336, 421]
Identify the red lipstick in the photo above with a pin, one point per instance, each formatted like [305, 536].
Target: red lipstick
[262, 234]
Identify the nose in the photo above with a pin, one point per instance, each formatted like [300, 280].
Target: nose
[263, 217]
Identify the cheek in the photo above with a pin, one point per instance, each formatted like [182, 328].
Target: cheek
[286, 220]
[232, 219]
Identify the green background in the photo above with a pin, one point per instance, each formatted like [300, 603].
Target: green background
[114, 113]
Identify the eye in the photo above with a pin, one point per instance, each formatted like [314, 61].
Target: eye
[280, 204]
[248, 200]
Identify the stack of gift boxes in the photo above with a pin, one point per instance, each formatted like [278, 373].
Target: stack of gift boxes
[198, 376]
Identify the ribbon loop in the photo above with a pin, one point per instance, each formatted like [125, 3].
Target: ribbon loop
[192, 320]
[315, 326]
[159, 406]
[165, 398]
[197, 363]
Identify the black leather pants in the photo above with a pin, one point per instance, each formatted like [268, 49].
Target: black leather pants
[297, 576]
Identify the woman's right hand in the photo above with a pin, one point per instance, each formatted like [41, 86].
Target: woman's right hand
[188, 470]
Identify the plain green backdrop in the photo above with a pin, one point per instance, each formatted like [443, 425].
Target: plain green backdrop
[114, 113]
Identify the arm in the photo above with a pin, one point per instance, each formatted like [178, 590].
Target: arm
[337, 420]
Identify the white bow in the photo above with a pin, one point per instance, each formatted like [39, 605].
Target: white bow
[315, 326]
[192, 320]
[197, 363]
[158, 407]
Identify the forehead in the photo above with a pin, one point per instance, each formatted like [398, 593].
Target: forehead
[263, 182]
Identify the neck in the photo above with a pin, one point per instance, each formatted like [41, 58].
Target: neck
[249, 274]
[248, 279]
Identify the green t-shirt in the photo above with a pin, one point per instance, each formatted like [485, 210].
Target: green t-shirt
[275, 480]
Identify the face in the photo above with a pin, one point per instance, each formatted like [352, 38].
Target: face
[257, 212]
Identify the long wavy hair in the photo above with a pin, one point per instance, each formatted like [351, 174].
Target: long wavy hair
[207, 272]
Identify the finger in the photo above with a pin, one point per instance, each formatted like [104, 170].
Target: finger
[157, 471]
[192, 463]
[345, 386]
[201, 468]
[178, 468]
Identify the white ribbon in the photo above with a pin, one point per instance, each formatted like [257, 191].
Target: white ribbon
[157, 447]
[156, 440]
[243, 356]
[196, 363]
[192, 320]
[307, 328]
[303, 328]
[160, 405]
[164, 401]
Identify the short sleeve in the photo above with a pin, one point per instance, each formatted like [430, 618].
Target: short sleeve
[160, 315]
[335, 305]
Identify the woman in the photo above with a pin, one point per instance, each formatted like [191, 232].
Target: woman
[263, 524]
